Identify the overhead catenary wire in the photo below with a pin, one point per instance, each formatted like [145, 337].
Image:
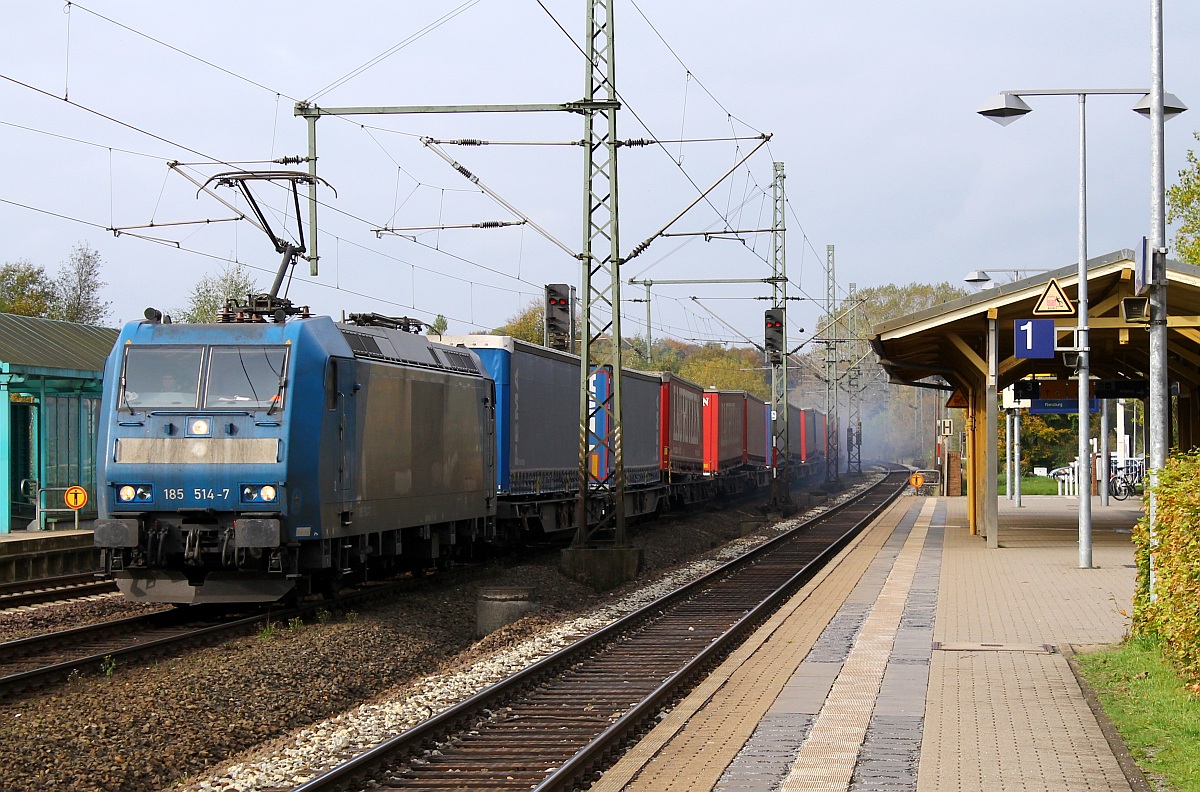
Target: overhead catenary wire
[359, 219]
[212, 160]
[173, 48]
[394, 49]
[625, 103]
[271, 271]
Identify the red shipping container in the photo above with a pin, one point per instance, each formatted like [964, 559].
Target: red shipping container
[681, 428]
[724, 430]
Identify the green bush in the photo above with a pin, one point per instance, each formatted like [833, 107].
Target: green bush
[1173, 617]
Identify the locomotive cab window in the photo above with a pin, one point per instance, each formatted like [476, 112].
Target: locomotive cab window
[246, 378]
[161, 376]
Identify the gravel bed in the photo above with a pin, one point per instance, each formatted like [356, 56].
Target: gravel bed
[265, 711]
[29, 620]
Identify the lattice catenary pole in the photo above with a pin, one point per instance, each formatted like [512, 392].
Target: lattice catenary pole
[780, 484]
[601, 461]
[833, 473]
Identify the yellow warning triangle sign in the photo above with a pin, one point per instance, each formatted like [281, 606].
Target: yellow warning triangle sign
[1053, 302]
[957, 400]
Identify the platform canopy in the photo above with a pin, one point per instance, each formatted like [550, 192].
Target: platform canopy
[50, 378]
[946, 347]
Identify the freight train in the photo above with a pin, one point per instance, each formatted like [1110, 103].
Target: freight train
[249, 461]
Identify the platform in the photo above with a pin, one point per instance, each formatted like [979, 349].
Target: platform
[29, 555]
[918, 660]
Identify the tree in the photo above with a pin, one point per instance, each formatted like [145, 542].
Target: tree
[740, 368]
[1183, 207]
[212, 292]
[437, 327]
[528, 325]
[883, 303]
[77, 288]
[26, 289]
[1046, 440]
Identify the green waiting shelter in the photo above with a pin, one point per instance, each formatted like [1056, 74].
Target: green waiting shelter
[51, 375]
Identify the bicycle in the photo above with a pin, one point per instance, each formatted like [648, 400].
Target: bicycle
[1120, 486]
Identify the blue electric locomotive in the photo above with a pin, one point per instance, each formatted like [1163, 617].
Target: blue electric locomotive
[238, 462]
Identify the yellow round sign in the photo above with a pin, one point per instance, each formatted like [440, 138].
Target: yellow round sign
[916, 480]
[76, 497]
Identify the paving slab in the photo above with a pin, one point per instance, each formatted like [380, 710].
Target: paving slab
[922, 661]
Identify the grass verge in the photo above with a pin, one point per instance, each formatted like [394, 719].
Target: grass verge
[1157, 715]
[1032, 485]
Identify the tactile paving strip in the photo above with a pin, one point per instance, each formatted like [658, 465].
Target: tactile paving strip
[697, 740]
[827, 758]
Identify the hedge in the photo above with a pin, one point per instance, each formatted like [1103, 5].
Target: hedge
[1174, 615]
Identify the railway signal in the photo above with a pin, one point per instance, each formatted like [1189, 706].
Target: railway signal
[560, 325]
[774, 328]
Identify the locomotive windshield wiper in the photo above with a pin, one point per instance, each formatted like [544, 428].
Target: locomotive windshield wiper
[277, 399]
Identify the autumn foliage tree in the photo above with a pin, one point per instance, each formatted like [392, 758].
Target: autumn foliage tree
[211, 293]
[740, 368]
[26, 289]
[73, 295]
[77, 288]
[527, 325]
[1183, 207]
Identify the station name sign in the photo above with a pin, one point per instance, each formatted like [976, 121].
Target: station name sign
[1058, 390]
[1055, 406]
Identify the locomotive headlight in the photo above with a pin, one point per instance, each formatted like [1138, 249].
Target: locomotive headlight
[135, 492]
[199, 427]
[258, 493]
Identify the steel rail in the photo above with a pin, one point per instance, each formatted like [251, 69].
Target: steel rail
[467, 712]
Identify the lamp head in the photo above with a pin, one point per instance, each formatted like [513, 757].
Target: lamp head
[978, 277]
[1171, 106]
[1004, 108]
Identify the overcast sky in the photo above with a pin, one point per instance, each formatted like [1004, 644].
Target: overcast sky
[870, 107]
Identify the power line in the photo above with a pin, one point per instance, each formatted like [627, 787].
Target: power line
[227, 164]
[429, 28]
[173, 48]
[310, 282]
[84, 142]
[393, 50]
[625, 103]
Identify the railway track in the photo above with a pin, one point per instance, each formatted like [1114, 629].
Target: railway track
[556, 724]
[55, 589]
[42, 660]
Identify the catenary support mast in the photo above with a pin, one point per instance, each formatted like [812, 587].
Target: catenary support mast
[781, 483]
[854, 389]
[833, 474]
[601, 459]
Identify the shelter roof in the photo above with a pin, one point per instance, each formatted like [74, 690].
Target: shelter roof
[30, 342]
[949, 340]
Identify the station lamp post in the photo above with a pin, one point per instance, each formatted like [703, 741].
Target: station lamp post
[983, 279]
[1005, 108]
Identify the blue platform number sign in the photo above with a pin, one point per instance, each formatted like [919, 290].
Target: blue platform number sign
[1034, 338]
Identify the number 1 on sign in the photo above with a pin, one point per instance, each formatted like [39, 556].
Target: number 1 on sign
[1034, 338]
[1028, 329]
